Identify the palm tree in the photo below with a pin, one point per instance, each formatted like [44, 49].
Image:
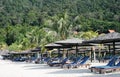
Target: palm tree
[61, 25]
[88, 35]
[58, 26]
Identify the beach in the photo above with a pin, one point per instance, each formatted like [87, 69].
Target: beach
[23, 69]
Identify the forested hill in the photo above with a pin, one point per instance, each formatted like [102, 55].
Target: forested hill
[25, 24]
[90, 14]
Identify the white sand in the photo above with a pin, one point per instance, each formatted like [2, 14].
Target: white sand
[22, 69]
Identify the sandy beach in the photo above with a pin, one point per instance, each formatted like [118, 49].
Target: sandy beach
[23, 69]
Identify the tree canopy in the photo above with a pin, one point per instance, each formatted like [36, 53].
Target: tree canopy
[29, 23]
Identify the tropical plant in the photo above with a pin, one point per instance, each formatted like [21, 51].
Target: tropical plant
[88, 35]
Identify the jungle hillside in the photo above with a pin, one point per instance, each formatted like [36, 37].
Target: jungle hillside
[26, 24]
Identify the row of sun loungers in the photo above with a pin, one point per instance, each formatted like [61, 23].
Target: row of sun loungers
[80, 61]
[58, 63]
[112, 66]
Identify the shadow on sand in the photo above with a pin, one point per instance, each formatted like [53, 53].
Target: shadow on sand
[71, 71]
[39, 66]
[81, 72]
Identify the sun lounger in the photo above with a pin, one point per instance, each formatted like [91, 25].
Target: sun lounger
[105, 68]
[106, 58]
[58, 63]
[81, 63]
[46, 59]
[72, 63]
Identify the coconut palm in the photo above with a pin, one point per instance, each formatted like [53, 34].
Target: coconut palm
[88, 35]
[61, 25]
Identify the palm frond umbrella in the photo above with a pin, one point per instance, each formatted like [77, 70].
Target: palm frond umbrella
[58, 46]
[71, 42]
[37, 49]
[53, 45]
[106, 38]
[38, 52]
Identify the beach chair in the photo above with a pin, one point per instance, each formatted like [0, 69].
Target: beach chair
[81, 63]
[98, 68]
[106, 58]
[72, 63]
[54, 60]
[58, 63]
[109, 68]
[46, 59]
[19, 59]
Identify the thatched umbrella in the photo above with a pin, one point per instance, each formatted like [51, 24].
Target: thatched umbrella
[106, 38]
[58, 46]
[37, 49]
[53, 45]
[71, 42]
[38, 52]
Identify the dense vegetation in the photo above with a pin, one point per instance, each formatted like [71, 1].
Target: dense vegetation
[27, 24]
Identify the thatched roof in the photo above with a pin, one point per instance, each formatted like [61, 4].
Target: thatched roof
[37, 49]
[4, 52]
[23, 52]
[106, 38]
[53, 45]
[73, 41]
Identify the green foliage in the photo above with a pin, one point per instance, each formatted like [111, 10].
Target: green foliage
[15, 47]
[33, 12]
[32, 23]
[88, 35]
[3, 46]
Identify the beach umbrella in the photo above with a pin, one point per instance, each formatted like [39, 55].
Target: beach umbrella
[106, 38]
[53, 45]
[5, 52]
[37, 50]
[58, 46]
[74, 42]
[71, 42]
